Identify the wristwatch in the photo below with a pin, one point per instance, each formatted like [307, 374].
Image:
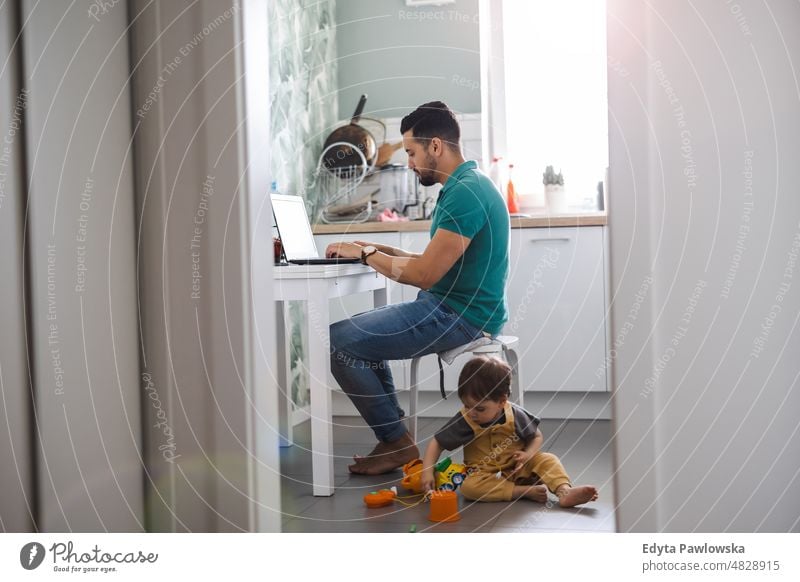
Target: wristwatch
[367, 251]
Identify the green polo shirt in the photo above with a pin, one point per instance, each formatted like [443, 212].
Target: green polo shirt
[471, 205]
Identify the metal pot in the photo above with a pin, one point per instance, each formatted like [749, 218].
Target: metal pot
[398, 188]
[343, 156]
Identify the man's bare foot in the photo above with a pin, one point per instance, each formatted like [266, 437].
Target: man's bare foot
[395, 455]
[380, 449]
[536, 493]
[572, 496]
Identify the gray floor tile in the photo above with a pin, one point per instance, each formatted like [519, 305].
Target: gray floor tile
[516, 530]
[584, 449]
[586, 436]
[390, 519]
[347, 505]
[378, 526]
[306, 526]
[367, 483]
[591, 517]
[551, 429]
[295, 500]
[460, 526]
[297, 461]
[590, 470]
[579, 443]
[297, 494]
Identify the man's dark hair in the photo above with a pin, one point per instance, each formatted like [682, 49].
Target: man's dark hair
[434, 119]
[484, 378]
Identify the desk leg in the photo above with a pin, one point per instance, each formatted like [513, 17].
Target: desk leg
[382, 296]
[285, 429]
[318, 322]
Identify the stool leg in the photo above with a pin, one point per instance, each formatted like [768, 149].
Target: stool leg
[516, 386]
[412, 400]
[285, 430]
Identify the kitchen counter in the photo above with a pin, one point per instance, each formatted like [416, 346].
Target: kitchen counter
[540, 221]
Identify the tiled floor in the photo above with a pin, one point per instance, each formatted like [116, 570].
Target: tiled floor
[583, 447]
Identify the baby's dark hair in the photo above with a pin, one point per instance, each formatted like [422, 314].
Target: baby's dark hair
[484, 378]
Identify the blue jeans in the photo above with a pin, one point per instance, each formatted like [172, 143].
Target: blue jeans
[362, 345]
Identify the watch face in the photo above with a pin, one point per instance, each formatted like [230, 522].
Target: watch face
[366, 252]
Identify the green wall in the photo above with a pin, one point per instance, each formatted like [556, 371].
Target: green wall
[404, 56]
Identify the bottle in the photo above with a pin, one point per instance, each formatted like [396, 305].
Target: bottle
[496, 172]
[277, 245]
[511, 194]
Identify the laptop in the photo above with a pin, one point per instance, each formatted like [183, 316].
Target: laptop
[295, 233]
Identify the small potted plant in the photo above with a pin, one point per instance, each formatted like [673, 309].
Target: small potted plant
[554, 191]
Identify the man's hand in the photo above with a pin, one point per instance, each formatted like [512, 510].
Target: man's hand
[521, 457]
[427, 481]
[344, 250]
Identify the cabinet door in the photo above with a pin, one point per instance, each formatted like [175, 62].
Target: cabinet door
[556, 305]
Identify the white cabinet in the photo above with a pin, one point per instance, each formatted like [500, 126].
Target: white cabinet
[556, 304]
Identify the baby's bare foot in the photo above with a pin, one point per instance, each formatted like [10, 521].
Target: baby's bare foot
[536, 493]
[577, 495]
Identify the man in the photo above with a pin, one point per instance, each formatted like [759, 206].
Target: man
[461, 275]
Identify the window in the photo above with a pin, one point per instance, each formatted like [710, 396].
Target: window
[555, 106]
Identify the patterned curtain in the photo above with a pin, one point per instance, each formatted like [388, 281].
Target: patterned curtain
[303, 100]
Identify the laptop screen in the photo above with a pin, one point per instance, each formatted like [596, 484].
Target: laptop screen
[293, 226]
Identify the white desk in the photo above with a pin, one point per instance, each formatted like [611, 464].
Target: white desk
[316, 285]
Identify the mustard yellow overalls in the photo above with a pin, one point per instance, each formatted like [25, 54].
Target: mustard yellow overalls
[490, 451]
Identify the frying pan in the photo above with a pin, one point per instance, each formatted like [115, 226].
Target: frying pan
[343, 156]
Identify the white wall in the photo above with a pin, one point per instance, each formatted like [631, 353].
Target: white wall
[18, 500]
[705, 230]
[202, 171]
[83, 332]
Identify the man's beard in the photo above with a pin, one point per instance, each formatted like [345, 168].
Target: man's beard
[428, 176]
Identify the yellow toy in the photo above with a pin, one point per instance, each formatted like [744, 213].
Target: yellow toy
[449, 475]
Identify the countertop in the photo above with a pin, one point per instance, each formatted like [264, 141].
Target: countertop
[535, 221]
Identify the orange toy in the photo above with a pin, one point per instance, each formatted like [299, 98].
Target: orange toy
[444, 506]
[380, 498]
[412, 476]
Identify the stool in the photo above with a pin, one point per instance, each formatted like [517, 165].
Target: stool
[502, 344]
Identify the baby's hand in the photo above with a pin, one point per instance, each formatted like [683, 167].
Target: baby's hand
[521, 457]
[427, 481]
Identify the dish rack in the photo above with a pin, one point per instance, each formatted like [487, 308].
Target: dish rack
[337, 190]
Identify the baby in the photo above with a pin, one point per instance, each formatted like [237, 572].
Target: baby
[501, 443]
